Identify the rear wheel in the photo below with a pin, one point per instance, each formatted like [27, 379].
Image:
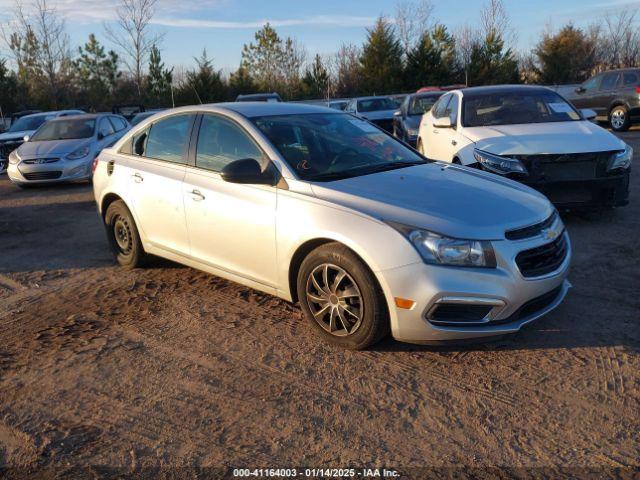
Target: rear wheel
[619, 118]
[123, 236]
[341, 298]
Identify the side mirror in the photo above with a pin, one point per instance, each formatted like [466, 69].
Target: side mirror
[26, 138]
[100, 135]
[443, 122]
[580, 89]
[588, 114]
[248, 171]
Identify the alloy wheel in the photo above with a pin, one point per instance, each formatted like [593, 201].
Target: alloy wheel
[334, 299]
[618, 118]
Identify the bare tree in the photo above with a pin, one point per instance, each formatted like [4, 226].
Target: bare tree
[133, 36]
[39, 43]
[494, 20]
[344, 71]
[412, 18]
[620, 39]
[466, 39]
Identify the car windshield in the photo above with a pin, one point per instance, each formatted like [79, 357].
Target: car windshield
[420, 105]
[375, 104]
[28, 123]
[65, 130]
[331, 146]
[516, 107]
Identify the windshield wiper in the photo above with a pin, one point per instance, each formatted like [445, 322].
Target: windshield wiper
[364, 170]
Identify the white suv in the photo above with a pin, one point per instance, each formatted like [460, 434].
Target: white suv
[320, 207]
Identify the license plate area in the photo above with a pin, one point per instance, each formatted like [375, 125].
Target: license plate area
[569, 171]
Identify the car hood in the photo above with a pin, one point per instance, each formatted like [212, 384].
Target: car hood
[14, 135]
[378, 115]
[447, 199]
[541, 138]
[52, 147]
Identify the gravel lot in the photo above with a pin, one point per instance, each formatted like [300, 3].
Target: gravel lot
[167, 367]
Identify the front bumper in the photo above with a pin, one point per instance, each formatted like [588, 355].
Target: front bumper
[610, 191]
[55, 172]
[522, 300]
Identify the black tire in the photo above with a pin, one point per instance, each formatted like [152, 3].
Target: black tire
[363, 308]
[619, 119]
[123, 236]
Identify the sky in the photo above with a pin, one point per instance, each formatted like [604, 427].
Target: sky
[321, 26]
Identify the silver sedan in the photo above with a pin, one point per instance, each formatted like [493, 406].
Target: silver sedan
[63, 149]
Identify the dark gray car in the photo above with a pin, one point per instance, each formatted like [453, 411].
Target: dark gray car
[613, 95]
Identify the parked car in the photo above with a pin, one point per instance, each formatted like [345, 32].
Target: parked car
[338, 104]
[406, 120]
[23, 127]
[377, 110]
[613, 95]
[321, 208]
[534, 135]
[144, 115]
[128, 111]
[63, 149]
[259, 97]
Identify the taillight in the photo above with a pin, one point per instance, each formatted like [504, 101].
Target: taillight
[638, 90]
[94, 165]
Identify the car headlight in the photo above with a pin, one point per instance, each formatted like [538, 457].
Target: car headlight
[621, 160]
[412, 132]
[14, 159]
[498, 164]
[440, 250]
[79, 153]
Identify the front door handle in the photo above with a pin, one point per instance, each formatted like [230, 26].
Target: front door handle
[137, 177]
[196, 195]
[435, 130]
[454, 143]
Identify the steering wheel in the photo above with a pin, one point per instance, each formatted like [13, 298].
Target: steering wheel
[345, 154]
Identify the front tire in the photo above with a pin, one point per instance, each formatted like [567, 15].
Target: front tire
[619, 118]
[123, 236]
[341, 298]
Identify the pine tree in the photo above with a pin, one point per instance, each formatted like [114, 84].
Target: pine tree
[96, 74]
[241, 82]
[432, 62]
[566, 57]
[381, 59]
[316, 79]
[203, 85]
[158, 80]
[491, 63]
[264, 59]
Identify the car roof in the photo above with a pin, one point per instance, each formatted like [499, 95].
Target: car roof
[259, 109]
[472, 91]
[85, 116]
[372, 97]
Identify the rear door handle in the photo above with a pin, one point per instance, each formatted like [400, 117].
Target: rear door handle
[435, 130]
[454, 143]
[137, 177]
[196, 195]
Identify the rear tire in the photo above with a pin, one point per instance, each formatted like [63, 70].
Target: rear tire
[341, 298]
[123, 236]
[619, 118]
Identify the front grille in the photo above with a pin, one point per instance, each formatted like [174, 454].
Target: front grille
[531, 230]
[532, 307]
[542, 260]
[7, 147]
[385, 124]
[42, 175]
[565, 167]
[40, 161]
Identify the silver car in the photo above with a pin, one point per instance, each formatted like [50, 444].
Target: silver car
[63, 149]
[322, 208]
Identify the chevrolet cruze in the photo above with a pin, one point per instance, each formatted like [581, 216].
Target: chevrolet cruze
[325, 209]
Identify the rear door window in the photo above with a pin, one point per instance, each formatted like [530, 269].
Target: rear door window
[630, 78]
[168, 138]
[105, 128]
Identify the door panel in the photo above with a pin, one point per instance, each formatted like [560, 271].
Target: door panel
[156, 190]
[231, 226]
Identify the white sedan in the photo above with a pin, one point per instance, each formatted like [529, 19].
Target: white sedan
[533, 135]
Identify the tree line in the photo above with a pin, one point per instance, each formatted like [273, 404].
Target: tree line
[401, 53]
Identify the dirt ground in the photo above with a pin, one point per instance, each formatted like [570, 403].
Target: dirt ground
[166, 369]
